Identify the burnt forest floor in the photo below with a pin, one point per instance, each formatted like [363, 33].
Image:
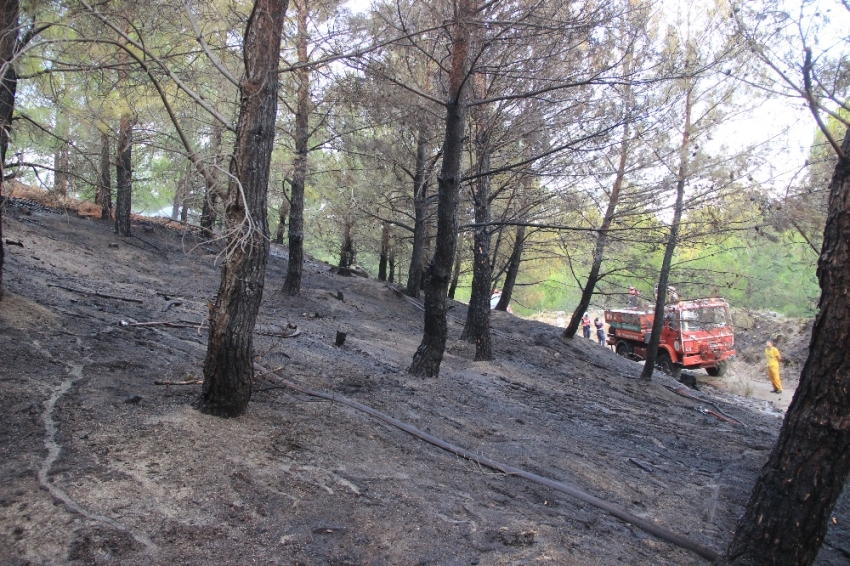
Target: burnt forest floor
[101, 465]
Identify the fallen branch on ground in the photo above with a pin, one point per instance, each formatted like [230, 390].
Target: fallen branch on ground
[291, 334]
[719, 414]
[646, 525]
[151, 244]
[130, 242]
[163, 323]
[96, 294]
[192, 382]
[642, 465]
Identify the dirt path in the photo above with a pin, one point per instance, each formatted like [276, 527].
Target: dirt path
[100, 465]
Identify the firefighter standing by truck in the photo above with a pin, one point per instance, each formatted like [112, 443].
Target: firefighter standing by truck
[773, 358]
[600, 332]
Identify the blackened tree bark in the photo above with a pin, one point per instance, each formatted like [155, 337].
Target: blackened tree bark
[282, 214]
[513, 270]
[124, 151]
[786, 517]
[124, 176]
[601, 237]
[429, 355]
[385, 251]
[391, 260]
[456, 269]
[103, 193]
[208, 211]
[420, 212]
[228, 368]
[9, 14]
[477, 326]
[613, 201]
[292, 285]
[428, 244]
[346, 251]
[661, 300]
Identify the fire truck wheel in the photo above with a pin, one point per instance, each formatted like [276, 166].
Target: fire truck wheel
[623, 349]
[666, 364]
[718, 371]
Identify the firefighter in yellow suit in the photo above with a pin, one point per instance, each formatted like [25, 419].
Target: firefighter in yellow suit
[773, 359]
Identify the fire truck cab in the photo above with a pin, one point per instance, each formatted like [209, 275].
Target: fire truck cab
[695, 334]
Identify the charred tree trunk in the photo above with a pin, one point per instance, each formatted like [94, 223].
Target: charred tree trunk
[282, 214]
[661, 300]
[601, 239]
[477, 326]
[513, 270]
[427, 245]
[228, 367]
[346, 252]
[103, 195]
[391, 261]
[208, 211]
[786, 517]
[429, 355]
[124, 176]
[9, 13]
[61, 167]
[292, 285]
[613, 201]
[385, 251]
[420, 211]
[456, 270]
[124, 155]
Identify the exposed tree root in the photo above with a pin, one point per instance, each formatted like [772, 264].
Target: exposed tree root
[53, 450]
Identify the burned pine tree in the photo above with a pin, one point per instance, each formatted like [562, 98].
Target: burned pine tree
[292, 284]
[420, 215]
[124, 176]
[477, 327]
[282, 214]
[124, 152]
[9, 14]
[601, 239]
[228, 367]
[211, 192]
[786, 518]
[652, 355]
[385, 251]
[429, 355]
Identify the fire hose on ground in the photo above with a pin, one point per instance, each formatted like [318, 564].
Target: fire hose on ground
[609, 508]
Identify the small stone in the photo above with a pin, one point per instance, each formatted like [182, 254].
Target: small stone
[133, 399]
[113, 245]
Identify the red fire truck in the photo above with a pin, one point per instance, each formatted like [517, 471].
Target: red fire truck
[695, 334]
